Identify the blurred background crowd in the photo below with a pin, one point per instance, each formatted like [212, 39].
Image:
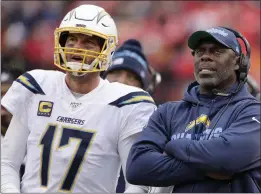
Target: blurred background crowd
[162, 27]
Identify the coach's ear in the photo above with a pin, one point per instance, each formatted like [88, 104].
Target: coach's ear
[237, 63]
[193, 53]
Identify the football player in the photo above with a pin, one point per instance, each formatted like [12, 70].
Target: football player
[75, 128]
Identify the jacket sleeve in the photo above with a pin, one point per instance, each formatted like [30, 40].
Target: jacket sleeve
[237, 149]
[147, 165]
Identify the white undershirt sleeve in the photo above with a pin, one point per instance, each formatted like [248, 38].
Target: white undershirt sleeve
[12, 156]
[124, 147]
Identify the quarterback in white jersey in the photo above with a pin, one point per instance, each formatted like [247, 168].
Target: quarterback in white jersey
[74, 128]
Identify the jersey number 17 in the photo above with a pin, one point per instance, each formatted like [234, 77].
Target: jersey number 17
[46, 143]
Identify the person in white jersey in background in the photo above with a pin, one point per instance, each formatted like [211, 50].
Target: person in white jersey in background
[131, 67]
[75, 128]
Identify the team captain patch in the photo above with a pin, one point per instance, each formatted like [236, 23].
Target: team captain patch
[45, 108]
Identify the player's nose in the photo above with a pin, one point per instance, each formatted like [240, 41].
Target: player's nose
[78, 45]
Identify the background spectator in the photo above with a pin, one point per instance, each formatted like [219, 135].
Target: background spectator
[162, 27]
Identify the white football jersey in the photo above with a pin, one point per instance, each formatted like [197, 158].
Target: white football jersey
[73, 142]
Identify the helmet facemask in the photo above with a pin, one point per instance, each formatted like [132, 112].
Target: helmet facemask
[101, 60]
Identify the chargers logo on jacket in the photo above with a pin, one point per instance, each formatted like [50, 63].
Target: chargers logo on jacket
[201, 119]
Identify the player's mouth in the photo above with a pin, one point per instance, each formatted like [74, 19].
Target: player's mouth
[76, 58]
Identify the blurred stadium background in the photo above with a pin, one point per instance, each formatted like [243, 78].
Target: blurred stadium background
[162, 26]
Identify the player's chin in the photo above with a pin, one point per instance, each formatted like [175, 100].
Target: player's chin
[77, 74]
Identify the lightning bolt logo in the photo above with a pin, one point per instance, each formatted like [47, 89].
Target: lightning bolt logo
[138, 99]
[25, 81]
[133, 98]
[201, 119]
[30, 83]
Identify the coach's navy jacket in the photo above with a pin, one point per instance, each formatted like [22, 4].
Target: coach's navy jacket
[187, 140]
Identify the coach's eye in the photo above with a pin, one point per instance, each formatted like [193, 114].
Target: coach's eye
[218, 51]
[198, 51]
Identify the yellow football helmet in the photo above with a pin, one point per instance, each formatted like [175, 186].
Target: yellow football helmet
[89, 20]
